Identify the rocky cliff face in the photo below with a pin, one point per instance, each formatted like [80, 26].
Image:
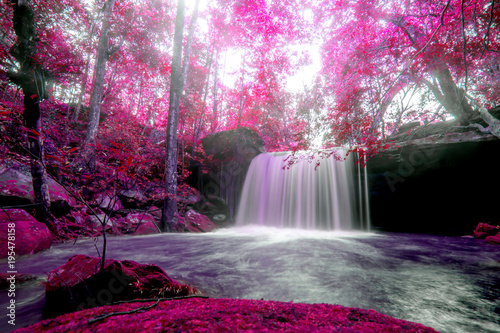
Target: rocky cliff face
[440, 178]
[231, 151]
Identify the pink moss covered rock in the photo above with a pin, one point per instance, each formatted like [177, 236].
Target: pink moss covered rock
[79, 284]
[141, 224]
[196, 222]
[226, 315]
[18, 187]
[31, 236]
[493, 239]
[484, 230]
[146, 228]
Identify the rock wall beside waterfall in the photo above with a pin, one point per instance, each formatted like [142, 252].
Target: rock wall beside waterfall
[231, 151]
[444, 183]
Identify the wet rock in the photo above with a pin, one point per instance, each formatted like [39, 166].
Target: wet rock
[191, 199]
[437, 176]
[146, 228]
[141, 224]
[20, 278]
[484, 230]
[31, 236]
[196, 222]
[232, 153]
[219, 217]
[215, 204]
[79, 284]
[16, 188]
[493, 239]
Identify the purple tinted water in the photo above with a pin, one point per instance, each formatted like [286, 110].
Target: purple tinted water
[449, 283]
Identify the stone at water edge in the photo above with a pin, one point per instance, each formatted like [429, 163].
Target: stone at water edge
[20, 278]
[77, 284]
[484, 230]
[493, 239]
[141, 224]
[196, 222]
[31, 236]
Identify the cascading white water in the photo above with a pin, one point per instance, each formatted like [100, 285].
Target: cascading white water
[298, 197]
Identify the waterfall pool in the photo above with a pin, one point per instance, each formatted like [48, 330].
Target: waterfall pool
[449, 283]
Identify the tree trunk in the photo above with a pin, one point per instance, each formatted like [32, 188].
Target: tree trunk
[198, 125]
[453, 98]
[30, 79]
[151, 117]
[241, 96]
[178, 78]
[189, 42]
[169, 213]
[85, 77]
[99, 74]
[448, 94]
[214, 119]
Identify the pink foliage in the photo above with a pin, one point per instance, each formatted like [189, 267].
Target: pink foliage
[374, 54]
[228, 315]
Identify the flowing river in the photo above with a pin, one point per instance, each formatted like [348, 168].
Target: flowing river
[449, 283]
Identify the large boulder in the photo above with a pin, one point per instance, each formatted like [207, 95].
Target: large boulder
[141, 224]
[227, 144]
[16, 188]
[107, 202]
[232, 152]
[133, 199]
[493, 239]
[432, 178]
[432, 187]
[196, 222]
[79, 284]
[30, 236]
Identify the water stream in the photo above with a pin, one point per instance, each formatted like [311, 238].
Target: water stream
[449, 283]
[305, 195]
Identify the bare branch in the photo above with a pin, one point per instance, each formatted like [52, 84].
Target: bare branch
[465, 43]
[435, 90]
[421, 50]
[143, 308]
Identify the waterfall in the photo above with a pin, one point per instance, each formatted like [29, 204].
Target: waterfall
[302, 196]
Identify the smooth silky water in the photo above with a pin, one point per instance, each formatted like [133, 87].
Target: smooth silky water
[305, 195]
[449, 283]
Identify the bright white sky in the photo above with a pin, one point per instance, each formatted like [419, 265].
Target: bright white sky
[233, 58]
